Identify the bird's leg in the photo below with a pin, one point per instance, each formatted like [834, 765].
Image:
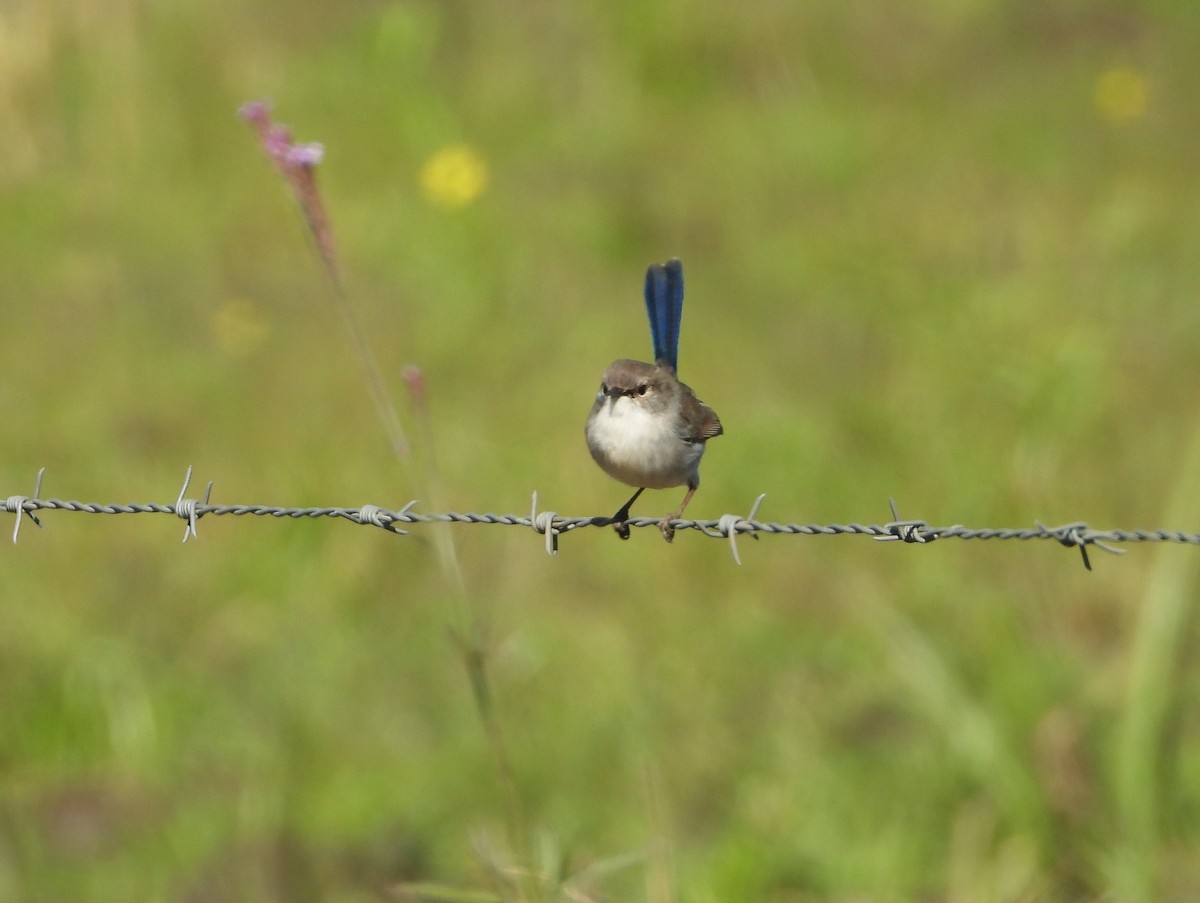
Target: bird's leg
[665, 525]
[618, 519]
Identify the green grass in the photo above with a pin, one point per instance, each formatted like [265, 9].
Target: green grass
[945, 253]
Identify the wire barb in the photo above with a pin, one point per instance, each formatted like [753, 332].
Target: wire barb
[905, 530]
[1078, 535]
[186, 508]
[375, 516]
[728, 525]
[543, 522]
[16, 504]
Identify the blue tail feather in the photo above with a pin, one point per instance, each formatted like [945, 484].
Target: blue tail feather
[664, 305]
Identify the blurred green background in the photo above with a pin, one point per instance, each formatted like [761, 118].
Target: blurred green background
[944, 251]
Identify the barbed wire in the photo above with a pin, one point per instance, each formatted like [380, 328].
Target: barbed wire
[552, 525]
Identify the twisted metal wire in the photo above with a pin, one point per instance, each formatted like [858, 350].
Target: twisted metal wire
[552, 525]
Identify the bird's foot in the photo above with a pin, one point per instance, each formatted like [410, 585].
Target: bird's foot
[620, 522]
[667, 528]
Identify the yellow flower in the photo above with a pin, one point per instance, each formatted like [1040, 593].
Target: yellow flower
[454, 176]
[1121, 95]
[239, 327]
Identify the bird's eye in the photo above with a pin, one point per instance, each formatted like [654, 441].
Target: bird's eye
[641, 389]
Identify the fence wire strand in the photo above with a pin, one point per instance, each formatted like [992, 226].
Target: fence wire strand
[551, 525]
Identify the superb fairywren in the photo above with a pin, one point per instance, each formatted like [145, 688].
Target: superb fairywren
[647, 429]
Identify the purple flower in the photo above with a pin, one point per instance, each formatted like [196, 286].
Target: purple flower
[296, 163]
[305, 154]
[256, 112]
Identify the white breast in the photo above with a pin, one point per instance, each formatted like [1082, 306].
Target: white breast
[640, 448]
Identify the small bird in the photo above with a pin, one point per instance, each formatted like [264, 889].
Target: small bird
[647, 429]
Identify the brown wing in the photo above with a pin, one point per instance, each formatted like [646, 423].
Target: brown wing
[711, 424]
[700, 421]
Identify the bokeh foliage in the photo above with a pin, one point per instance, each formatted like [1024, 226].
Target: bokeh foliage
[943, 251]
